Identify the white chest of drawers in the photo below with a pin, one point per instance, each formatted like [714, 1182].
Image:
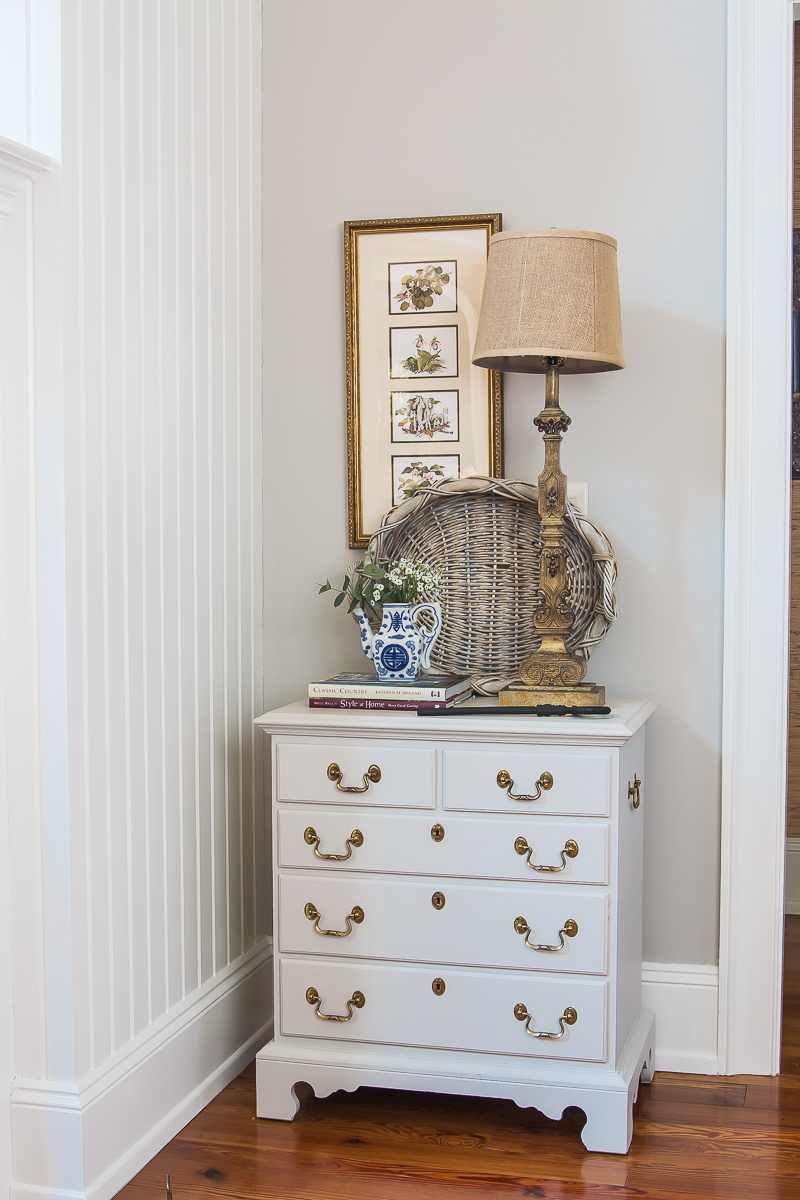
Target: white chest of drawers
[440, 929]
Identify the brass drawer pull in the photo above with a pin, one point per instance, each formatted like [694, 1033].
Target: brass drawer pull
[633, 791]
[543, 783]
[355, 915]
[373, 775]
[570, 929]
[357, 1000]
[356, 839]
[521, 1013]
[570, 851]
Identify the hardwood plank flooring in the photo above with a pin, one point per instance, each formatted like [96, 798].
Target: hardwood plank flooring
[695, 1137]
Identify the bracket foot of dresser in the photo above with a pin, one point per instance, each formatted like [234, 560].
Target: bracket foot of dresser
[606, 1096]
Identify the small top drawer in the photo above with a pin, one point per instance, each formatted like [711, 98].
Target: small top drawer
[343, 773]
[530, 781]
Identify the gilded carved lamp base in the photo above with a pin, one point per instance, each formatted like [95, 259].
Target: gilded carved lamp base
[552, 675]
[584, 695]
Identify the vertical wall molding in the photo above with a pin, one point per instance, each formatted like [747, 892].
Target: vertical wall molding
[757, 524]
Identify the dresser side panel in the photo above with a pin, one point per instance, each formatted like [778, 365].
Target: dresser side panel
[630, 838]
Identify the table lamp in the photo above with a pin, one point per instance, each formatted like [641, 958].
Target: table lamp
[550, 307]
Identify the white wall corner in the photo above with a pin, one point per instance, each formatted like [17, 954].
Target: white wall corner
[85, 1141]
[684, 998]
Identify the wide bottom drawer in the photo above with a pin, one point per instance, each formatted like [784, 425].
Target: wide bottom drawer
[445, 1008]
[436, 920]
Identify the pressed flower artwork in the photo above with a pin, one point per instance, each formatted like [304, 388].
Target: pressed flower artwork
[418, 410]
[411, 475]
[426, 352]
[425, 416]
[423, 287]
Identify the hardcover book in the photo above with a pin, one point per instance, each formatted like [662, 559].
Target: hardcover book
[351, 685]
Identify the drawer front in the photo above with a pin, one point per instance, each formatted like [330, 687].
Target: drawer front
[474, 1012]
[579, 784]
[444, 922]
[476, 847]
[407, 774]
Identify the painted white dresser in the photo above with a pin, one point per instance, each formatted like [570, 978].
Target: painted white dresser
[458, 909]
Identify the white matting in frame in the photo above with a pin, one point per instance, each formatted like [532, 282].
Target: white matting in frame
[410, 375]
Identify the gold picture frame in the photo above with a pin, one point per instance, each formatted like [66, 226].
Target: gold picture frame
[412, 288]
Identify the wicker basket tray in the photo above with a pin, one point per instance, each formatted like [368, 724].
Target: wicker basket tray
[483, 537]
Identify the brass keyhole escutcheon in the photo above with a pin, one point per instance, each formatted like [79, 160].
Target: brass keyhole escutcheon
[438, 987]
[437, 833]
[438, 900]
[633, 791]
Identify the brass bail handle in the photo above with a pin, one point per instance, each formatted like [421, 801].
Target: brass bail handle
[570, 851]
[543, 784]
[357, 1000]
[371, 775]
[569, 930]
[569, 1018]
[355, 916]
[633, 791]
[311, 837]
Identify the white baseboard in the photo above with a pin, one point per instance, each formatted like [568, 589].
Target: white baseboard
[791, 895]
[86, 1140]
[684, 999]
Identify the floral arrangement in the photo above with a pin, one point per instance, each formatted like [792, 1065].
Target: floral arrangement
[419, 289]
[427, 362]
[404, 582]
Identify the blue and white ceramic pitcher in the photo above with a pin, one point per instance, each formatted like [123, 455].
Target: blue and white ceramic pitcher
[401, 648]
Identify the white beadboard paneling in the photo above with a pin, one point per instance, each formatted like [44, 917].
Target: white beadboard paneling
[161, 129]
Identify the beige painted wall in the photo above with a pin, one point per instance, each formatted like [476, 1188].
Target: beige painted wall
[607, 117]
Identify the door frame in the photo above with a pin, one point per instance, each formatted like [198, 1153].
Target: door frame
[757, 534]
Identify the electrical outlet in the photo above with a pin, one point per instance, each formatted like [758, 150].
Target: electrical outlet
[578, 494]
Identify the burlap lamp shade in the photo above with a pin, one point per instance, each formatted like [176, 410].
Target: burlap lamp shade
[550, 293]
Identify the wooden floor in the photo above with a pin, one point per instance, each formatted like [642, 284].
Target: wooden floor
[694, 1137]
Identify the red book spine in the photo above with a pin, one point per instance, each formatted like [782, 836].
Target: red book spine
[339, 702]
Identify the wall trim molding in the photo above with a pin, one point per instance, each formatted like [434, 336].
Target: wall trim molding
[684, 998]
[183, 1060]
[18, 165]
[791, 895]
[757, 534]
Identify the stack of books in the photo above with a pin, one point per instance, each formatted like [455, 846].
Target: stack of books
[368, 691]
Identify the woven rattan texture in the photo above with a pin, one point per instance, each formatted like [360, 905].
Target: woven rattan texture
[483, 537]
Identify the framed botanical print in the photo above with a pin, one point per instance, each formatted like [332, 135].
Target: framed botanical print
[418, 411]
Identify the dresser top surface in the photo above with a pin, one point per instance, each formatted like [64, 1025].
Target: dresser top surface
[614, 730]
